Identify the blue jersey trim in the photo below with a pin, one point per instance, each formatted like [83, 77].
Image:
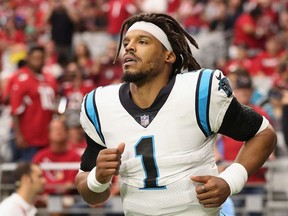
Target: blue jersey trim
[92, 113]
[203, 100]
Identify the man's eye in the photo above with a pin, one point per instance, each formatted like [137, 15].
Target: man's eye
[142, 42]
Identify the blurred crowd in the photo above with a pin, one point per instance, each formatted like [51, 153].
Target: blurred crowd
[54, 52]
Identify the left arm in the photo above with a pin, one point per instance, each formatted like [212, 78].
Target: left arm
[243, 124]
[257, 149]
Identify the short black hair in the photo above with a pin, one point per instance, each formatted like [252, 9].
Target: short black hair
[34, 48]
[22, 169]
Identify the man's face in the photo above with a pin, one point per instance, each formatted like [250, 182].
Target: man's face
[37, 180]
[243, 95]
[57, 135]
[72, 71]
[36, 60]
[144, 57]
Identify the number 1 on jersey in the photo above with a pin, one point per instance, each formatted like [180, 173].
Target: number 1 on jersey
[145, 149]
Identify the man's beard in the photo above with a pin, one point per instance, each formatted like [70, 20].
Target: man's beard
[140, 76]
[135, 77]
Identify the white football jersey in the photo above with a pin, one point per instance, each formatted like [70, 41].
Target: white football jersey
[165, 144]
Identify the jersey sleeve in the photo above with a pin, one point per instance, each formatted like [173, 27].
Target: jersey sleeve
[220, 99]
[89, 118]
[225, 114]
[213, 96]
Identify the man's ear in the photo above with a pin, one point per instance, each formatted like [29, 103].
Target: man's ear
[170, 57]
[22, 181]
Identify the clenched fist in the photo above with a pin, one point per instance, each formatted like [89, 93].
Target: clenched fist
[108, 163]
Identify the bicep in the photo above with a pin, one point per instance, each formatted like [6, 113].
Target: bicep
[240, 122]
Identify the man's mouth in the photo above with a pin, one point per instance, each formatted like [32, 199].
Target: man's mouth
[129, 60]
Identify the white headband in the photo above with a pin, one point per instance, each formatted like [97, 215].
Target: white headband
[153, 30]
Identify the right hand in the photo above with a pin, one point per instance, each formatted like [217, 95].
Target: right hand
[212, 191]
[108, 163]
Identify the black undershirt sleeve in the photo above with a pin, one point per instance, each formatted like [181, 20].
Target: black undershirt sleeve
[240, 122]
[284, 123]
[88, 159]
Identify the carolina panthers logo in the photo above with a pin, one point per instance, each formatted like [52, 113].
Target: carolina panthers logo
[224, 85]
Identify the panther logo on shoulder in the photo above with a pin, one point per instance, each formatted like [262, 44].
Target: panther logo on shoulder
[224, 85]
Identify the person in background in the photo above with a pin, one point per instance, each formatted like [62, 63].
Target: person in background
[247, 31]
[51, 60]
[267, 61]
[106, 70]
[32, 101]
[239, 61]
[118, 11]
[76, 86]
[76, 137]
[83, 57]
[58, 181]
[62, 18]
[274, 104]
[29, 183]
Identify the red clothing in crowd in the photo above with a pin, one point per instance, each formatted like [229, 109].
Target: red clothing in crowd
[78, 147]
[266, 63]
[61, 176]
[231, 148]
[17, 36]
[241, 37]
[76, 95]
[173, 6]
[32, 98]
[235, 64]
[109, 73]
[119, 10]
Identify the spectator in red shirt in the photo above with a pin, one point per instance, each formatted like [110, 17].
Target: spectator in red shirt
[191, 14]
[59, 181]
[52, 55]
[173, 6]
[246, 31]
[240, 61]
[266, 62]
[106, 71]
[32, 101]
[10, 33]
[52, 65]
[83, 57]
[76, 86]
[119, 10]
